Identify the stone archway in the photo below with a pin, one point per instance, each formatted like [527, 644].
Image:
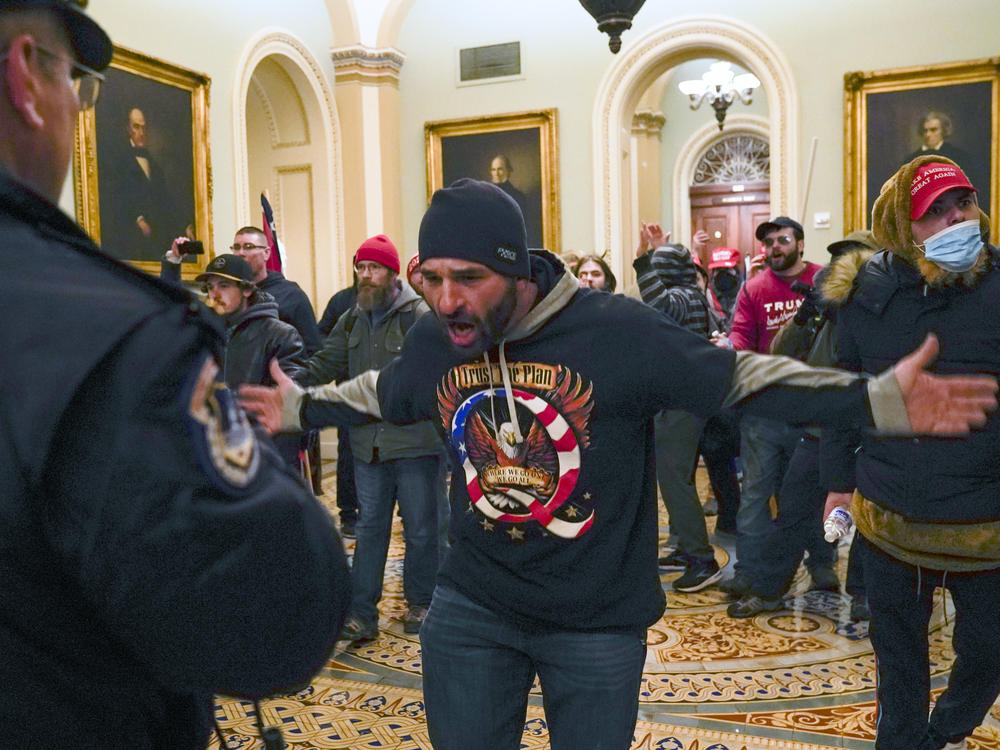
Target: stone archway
[639, 65]
[286, 138]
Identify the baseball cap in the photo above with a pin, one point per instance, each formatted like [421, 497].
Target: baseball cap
[724, 257]
[92, 45]
[778, 222]
[862, 238]
[931, 180]
[228, 266]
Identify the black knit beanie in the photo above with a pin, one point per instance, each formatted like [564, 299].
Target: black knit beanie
[476, 221]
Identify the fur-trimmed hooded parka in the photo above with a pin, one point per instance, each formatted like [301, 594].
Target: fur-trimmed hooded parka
[931, 502]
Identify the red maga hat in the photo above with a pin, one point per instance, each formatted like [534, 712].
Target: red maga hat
[724, 257]
[930, 181]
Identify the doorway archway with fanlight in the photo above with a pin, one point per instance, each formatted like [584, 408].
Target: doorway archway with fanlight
[730, 191]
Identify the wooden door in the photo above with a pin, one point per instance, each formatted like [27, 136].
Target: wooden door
[730, 214]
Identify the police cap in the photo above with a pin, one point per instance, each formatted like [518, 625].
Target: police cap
[92, 45]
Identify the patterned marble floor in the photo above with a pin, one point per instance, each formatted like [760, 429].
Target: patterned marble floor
[798, 679]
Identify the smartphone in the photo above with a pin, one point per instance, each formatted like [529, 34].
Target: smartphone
[192, 247]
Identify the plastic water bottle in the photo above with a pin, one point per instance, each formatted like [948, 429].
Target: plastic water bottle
[837, 524]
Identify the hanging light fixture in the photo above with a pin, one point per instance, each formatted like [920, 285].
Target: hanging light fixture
[613, 17]
[720, 87]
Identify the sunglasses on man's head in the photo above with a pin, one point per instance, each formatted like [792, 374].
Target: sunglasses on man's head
[781, 239]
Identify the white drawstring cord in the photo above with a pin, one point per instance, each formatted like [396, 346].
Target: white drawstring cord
[511, 408]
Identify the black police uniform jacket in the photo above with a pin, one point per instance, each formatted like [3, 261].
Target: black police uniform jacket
[154, 550]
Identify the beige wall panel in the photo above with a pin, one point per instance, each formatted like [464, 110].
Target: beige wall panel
[295, 200]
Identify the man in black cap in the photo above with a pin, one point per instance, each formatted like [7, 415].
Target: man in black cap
[155, 550]
[255, 334]
[809, 336]
[765, 302]
[545, 394]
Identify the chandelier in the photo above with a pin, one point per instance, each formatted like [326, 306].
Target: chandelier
[613, 17]
[720, 87]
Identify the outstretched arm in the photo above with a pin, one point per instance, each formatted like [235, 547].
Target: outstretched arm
[905, 400]
[279, 409]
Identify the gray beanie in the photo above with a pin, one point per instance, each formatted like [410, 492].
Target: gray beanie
[476, 221]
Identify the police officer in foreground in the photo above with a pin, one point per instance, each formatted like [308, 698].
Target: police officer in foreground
[154, 549]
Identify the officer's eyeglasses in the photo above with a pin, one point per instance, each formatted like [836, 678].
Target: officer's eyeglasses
[86, 82]
[781, 239]
[246, 246]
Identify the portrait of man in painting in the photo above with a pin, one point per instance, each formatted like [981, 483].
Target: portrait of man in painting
[953, 121]
[145, 161]
[510, 159]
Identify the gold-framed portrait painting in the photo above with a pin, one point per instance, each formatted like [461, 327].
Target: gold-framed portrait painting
[141, 166]
[893, 116]
[518, 152]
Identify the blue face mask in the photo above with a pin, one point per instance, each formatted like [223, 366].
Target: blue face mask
[956, 248]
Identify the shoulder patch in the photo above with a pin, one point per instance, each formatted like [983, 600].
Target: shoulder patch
[224, 442]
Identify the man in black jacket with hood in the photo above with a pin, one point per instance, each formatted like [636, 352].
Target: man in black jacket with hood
[256, 334]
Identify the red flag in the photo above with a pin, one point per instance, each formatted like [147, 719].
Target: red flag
[274, 263]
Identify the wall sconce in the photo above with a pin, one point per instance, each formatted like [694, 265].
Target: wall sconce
[720, 87]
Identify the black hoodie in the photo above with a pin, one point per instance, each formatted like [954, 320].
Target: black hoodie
[554, 512]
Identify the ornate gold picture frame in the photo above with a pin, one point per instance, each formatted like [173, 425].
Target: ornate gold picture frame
[885, 115]
[141, 167]
[518, 151]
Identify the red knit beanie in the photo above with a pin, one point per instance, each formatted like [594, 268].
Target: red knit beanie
[379, 249]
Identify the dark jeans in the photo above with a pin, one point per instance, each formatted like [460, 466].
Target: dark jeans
[765, 449]
[347, 497]
[720, 447]
[798, 526]
[414, 482]
[900, 598]
[478, 669]
[855, 582]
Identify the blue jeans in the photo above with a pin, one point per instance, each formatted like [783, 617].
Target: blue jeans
[478, 669]
[765, 447]
[413, 481]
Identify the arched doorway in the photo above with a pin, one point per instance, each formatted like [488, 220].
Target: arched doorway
[641, 64]
[287, 142]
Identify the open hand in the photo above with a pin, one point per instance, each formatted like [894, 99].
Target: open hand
[942, 404]
[266, 403]
[651, 236]
[699, 242]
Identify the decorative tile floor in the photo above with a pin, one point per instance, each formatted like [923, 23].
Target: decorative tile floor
[797, 679]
